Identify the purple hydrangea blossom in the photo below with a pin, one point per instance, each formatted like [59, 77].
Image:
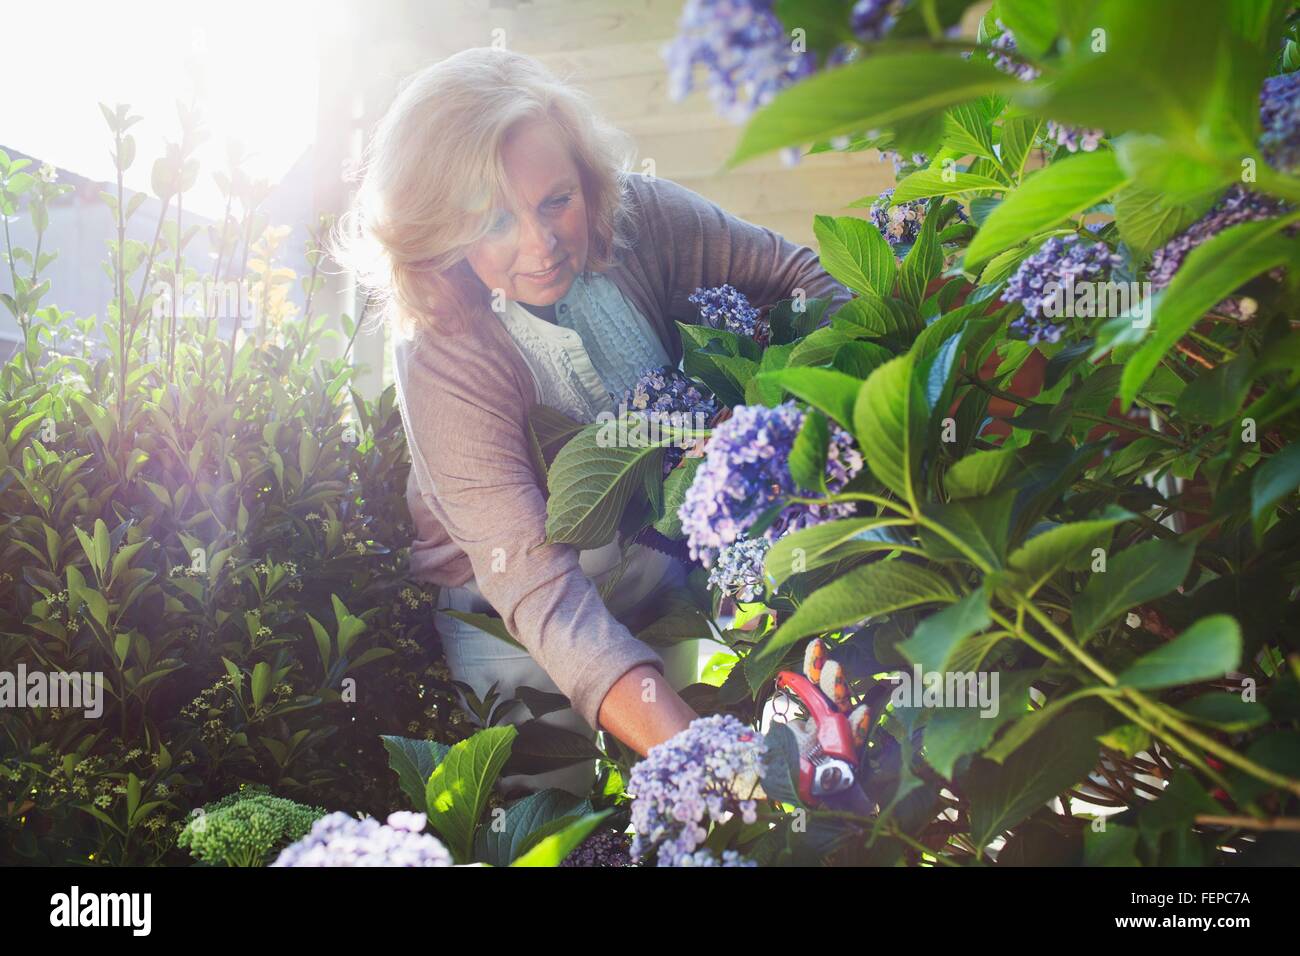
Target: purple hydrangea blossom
[603, 848]
[726, 307]
[746, 471]
[917, 161]
[1002, 44]
[343, 840]
[1279, 118]
[669, 394]
[745, 50]
[1064, 261]
[1074, 138]
[1237, 205]
[900, 223]
[738, 572]
[706, 858]
[872, 19]
[709, 770]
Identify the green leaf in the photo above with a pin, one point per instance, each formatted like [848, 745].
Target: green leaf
[979, 473]
[1210, 273]
[261, 682]
[1208, 649]
[591, 482]
[874, 93]
[855, 253]
[825, 389]
[1033, 22]
[808, 453]
[889, 420]
[925, 183]
[889, 319]
[1046, 554]
[1002, 795]
[864, 592]
[1136, 575]
[932, 643]
[459, 786]
[1046, 198]
[1225, 710]
[802, 550]
[1112, 845]
[675, 486]
[923, 262]
[552, 850]
[982, 525]
[1272, 482]
[413, 761]
[501, 841]
[1216, 396]
[1147, 220]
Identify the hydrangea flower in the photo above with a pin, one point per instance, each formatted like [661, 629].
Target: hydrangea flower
[340, 839]
[745, 50]
[727, 308]
[1060, 260]
[709, 770]
[872, 19]
[706, 858]
[1279, 118]
[1237, 205]
[1073, 138]
[738, 572]
[1001, 45]
[746, 471]
[664, 392]
[603, 848]
[900, 223]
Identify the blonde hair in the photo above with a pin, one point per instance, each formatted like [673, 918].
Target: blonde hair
[432, 176]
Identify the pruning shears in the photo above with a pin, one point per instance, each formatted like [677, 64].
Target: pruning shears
[831, 737]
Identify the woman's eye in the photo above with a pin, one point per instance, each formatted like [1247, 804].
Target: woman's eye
[559, 202]
[500, 223]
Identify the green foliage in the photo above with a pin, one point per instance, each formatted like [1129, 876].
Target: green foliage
[245, 828]
[196, 504]
[1108, 522]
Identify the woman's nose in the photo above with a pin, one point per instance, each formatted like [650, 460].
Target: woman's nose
[536, 238]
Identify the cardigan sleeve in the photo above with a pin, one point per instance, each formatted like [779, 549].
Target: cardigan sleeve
[466, 430]
[700, 244]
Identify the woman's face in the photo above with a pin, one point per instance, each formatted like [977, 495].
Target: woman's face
[534, 253]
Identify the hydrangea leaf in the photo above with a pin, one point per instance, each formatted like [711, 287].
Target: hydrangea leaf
[876, 92]
[1210, 273]
[459, 786]
[889, 421]
[1208, 649]
[864, 592]
[1136, 575]
[1045, 199]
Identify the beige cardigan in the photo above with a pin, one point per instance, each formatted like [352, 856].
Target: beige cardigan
[473, 493]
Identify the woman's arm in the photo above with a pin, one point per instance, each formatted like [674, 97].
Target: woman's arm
[462, 408]
[642, 710]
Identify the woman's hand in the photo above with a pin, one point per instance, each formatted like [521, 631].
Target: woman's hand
[642, 709]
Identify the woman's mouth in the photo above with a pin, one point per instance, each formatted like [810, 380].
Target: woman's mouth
[546, 276]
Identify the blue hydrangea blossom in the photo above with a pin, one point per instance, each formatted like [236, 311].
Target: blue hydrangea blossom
[1063, 261]
[711, 769]
[746, 471]
[340, 839]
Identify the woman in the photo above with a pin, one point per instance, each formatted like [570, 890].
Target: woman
[521, 264]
